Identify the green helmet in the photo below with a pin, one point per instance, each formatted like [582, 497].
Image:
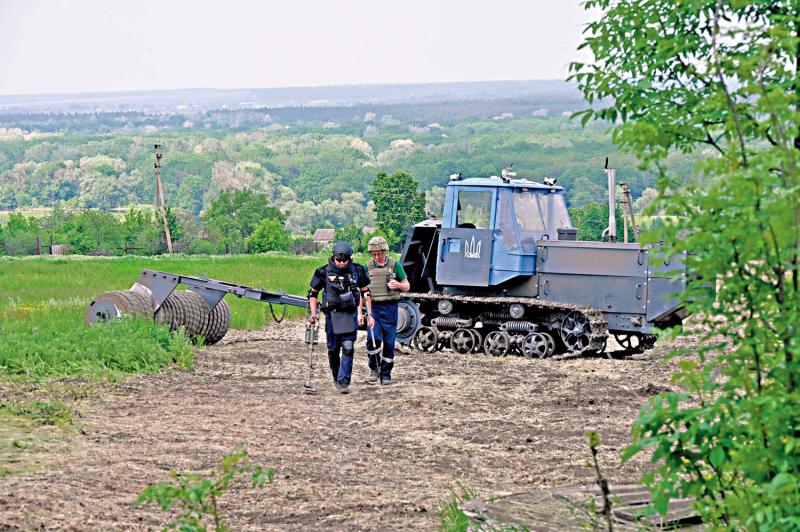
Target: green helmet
[377, 243]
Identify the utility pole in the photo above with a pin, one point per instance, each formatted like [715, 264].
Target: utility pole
[160, 203]
[623, 201]
[627, 210]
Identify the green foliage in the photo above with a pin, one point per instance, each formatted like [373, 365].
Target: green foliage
[451, 518]
[585, 192]
[91, 231]
[235, 215]
[269, 236]
[39, 343]
[306, 165]
[190, 194]
[135, 223]
[198, 497]
[592, 219]
[398, 204]
[355, 236]
[719, 77]
[18, 223]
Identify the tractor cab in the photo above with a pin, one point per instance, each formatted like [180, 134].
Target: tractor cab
[490, 227]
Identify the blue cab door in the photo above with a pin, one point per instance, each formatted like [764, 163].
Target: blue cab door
[467, 237]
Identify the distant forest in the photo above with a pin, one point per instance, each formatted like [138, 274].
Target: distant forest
[309, 161]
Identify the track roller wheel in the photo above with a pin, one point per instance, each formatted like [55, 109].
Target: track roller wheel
[426, 339]
[462, 341]
[551, 344]
[478, 341]
[576, 332]
[631, 342]
[496, 343]
[648, 341]
[535, 345]
[602, 348]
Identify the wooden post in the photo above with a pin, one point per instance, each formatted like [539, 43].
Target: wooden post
[38, 246]
[624, 202]
[160, 203]
[626, 194]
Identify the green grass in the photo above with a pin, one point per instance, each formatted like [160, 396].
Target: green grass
[23, 437]
[36, 213]
[451, 518]
[54, 349]
[41, 212]
[43, 412]
[72, 282]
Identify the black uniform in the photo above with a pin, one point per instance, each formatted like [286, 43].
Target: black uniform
[341, 289]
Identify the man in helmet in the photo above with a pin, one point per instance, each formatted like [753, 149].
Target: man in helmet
[343, 284]
[388, 280]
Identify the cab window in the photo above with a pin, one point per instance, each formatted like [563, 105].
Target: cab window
[554, 211]
[505, 221]
[529, 219]
[474, 209]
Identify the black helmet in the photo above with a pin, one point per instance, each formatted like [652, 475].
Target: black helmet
[342, 251]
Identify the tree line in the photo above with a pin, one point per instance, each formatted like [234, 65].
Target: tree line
[238, 221]
[244, 221]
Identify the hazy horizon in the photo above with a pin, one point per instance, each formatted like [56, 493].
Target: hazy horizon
[278, 87]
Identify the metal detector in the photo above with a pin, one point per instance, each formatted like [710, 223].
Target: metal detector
[312, 338]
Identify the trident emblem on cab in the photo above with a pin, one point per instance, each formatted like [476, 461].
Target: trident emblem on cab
[472, 249]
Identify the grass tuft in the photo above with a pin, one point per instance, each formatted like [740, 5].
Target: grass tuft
[42, 412]
[451, 518]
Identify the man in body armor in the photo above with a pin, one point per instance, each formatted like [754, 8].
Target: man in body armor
[343, 284]
[388, 280]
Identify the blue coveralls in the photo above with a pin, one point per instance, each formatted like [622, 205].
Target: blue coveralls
[341, 368]
[385, 330]
[340, 346]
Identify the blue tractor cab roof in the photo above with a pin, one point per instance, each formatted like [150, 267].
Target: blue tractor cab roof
[496, 182]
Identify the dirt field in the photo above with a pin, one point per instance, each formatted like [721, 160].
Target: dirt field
[380, 458]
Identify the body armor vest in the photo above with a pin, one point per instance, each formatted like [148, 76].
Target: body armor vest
[341, 290]
[379, 279]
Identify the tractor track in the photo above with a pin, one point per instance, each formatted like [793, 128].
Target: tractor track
[599, 326]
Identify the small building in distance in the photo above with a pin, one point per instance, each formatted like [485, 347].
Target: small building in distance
[323, 236]
[59, 249]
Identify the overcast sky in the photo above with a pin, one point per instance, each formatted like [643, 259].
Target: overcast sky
[52, 46]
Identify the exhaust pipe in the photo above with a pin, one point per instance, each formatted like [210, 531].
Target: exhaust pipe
[612, 203]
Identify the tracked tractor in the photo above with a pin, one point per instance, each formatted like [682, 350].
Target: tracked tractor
[502, 273]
